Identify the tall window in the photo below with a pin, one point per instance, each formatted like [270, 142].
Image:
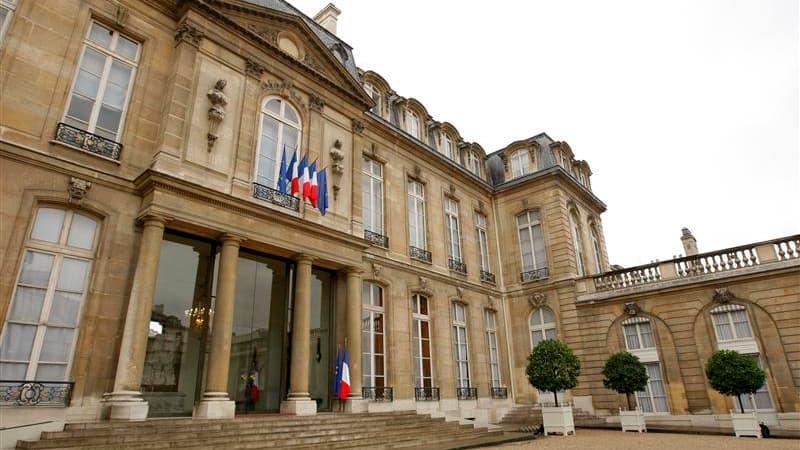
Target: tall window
[40, 331]
[598, 259]
[653, 399]
[453, 229]
[490, 320]
[416, 215]
[6, 11]
[372, 195]
[483, 241]
[375, 94]
[638, 334]
[519, 163]
[412, 123]
[473, 164]
[460, 350]
[542, 325]
[372, 336]
[577, 242]
[421, 341]
[531, 241]
[280, 129]
[761, 396]
[639, 341]
[103, 84]
[447, 146]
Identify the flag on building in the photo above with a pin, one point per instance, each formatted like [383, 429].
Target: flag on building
[337, 379]
[291, 174]
[344, 386]
[297, 176]
[310, 173]
[314, 186]
[283, 183]
[322, 200]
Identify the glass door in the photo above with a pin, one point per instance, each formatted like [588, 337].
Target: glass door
[320, 376]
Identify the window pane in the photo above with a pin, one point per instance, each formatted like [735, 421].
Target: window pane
[81, 232]
[57, 344]
[741, 325]
[538, 247]
[47, 226]
[51, 372]
[18, 342]
[13, 371]
[87, 85]
[36, 269]
[127, 48]
[27, 304]
[273, 106]
[65, 309]
[80, 109]
[73, 275]
[100, 35]
[108, 122]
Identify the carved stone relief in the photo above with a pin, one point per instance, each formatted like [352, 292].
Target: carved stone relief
[254, 68]
[285, 88]
[216, 114]
[77, 189]
[632, 308]
[537, 300]
[317, 102]
[358, 126]
[266, 33]
[723, 295]
[188, 33]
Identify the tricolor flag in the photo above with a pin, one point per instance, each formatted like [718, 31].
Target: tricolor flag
[283, 183]
[344, 387]
[314, 186]
[307, 175]
[297, 176]
[291, 175]
[322, 200]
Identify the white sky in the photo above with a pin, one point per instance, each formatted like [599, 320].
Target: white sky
[687, 111]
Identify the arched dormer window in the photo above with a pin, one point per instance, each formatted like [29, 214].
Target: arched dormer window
[447, 146]
[577, 241]
[473, 163]
[280, 129]
[412, 123]
[520, 163]
[376, 96]
[542, 325]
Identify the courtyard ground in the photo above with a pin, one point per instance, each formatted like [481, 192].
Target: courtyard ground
[617, 440]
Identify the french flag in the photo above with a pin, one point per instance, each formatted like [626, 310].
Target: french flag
[297, 175]
[314, 185]
[291, 175]
[308, 173]
[344, 386]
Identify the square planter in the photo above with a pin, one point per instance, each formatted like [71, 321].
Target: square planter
[632, 420]
[558, 419]
[746, 424]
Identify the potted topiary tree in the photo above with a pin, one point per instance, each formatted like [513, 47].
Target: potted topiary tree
[552, 367]
[732, 373]
[625, 374]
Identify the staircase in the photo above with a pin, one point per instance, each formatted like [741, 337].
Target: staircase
[530, 415]
[324, 431]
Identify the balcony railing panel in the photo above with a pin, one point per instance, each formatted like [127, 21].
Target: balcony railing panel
[426, 394]
[275, 197]
[376, 239]
[377, 394]
[788, 248]
[487, 277]
[499, 392]
[420, 254]
[648, 273]
[467, 393]
[35, 393]
[88, 141]
[534, 275]
[456, 265]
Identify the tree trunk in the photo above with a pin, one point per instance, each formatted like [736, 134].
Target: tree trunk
[628, 396]
[555, 396]
[741, 405]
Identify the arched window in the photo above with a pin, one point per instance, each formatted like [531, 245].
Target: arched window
[375, 94]
[598, 259]
[577, 242]
[639, 341]
[373, 357]
[447, 146]
[519, 163]
[41, 328]
[280, 129]
[542, 325]
[412, 124]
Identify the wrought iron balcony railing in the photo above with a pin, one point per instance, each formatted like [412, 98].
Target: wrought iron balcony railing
[456, 265]
[376, 239]
[487, 277]
[467, 393]
[275, 197]
[377, 394]
[499, 392]
[87, 141]
[426, 394]
[420, 254]
[534, 275]
[35, 393]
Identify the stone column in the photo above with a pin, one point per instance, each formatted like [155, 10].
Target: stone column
[126, 401]
[215, 403]
[353, 334]
[299, 400]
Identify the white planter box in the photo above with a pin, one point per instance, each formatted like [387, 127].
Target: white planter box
[558, 419]
[632, 420]
[745, 424]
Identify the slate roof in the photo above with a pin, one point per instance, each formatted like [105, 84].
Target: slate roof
[545, 159]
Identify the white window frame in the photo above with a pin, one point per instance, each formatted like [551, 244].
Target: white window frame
[528, 227]
[520, 163]
[373, 308]
[540, 326]
[763, 390]
[447, 146]
[372, 195]
[598, 258]
[492, 348]
[59, 251]
[460, 347]
[416, 214]
[9, 6]
[473, 163]
[417, 319]
[649, 392]
[111, 56]
[483, 241]
[376, 96]
[577, 242]
[452, 229]
[283, 122]
[725, 313]
[412, 123]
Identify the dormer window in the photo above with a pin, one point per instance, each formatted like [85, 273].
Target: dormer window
[447, 146]
[520, 163]
[412, 123]
[375, 94]
[473, 163]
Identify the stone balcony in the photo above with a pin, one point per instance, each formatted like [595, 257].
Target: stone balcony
[718, 265]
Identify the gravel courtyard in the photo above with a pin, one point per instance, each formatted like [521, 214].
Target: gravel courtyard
[616, 440]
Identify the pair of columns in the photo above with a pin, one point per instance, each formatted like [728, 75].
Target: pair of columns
[126, 402]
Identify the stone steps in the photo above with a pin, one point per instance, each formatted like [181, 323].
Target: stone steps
[528, 415]
[394, 430]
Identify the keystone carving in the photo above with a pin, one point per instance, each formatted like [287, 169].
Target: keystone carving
[723, 295]
[216, 114]
[423, 282]
[121, 16]
[417, 171]
[632, 308]
[460, 292]
[77, 189]
[376, 270]
[188, 33]
[286, 88]
[537, 300]
[452, 188]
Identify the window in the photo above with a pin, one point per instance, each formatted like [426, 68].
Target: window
[412, 123]
[280, 130]
[372, 336]
[577, 242]
[542, 325]
[447, 146]
[731, 323]
[653, 399]
[483, 242]
[6, 11]
[531, 241]
[416, 215]
[375, 94]
[490, 319]
[519, 163]
[39, 333]
[638, 334]
[761, 396]
[598, 259]
[460, 351]
[453, 229]
[639, 341]
[421, 342]
[103, 84]
[473, 164]
[372, 195]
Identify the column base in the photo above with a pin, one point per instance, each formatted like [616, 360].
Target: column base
[299, 407]
[355, 405]
[215, 405]
[126, 405]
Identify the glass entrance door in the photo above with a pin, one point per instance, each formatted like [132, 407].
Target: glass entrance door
[320, 377]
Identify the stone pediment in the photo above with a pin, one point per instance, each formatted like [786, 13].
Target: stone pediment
[291, 35]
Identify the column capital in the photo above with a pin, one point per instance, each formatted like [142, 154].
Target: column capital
[301, 258]
[154, 220]
[231, 238]
[354, 271]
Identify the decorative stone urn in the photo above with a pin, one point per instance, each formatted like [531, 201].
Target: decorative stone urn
[632, 420]
[558, 419]
[745, 424]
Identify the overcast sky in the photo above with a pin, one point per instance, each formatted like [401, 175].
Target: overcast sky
[687, 111]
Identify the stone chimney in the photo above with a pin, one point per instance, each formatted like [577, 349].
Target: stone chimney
[689, 242]
[327, 17]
